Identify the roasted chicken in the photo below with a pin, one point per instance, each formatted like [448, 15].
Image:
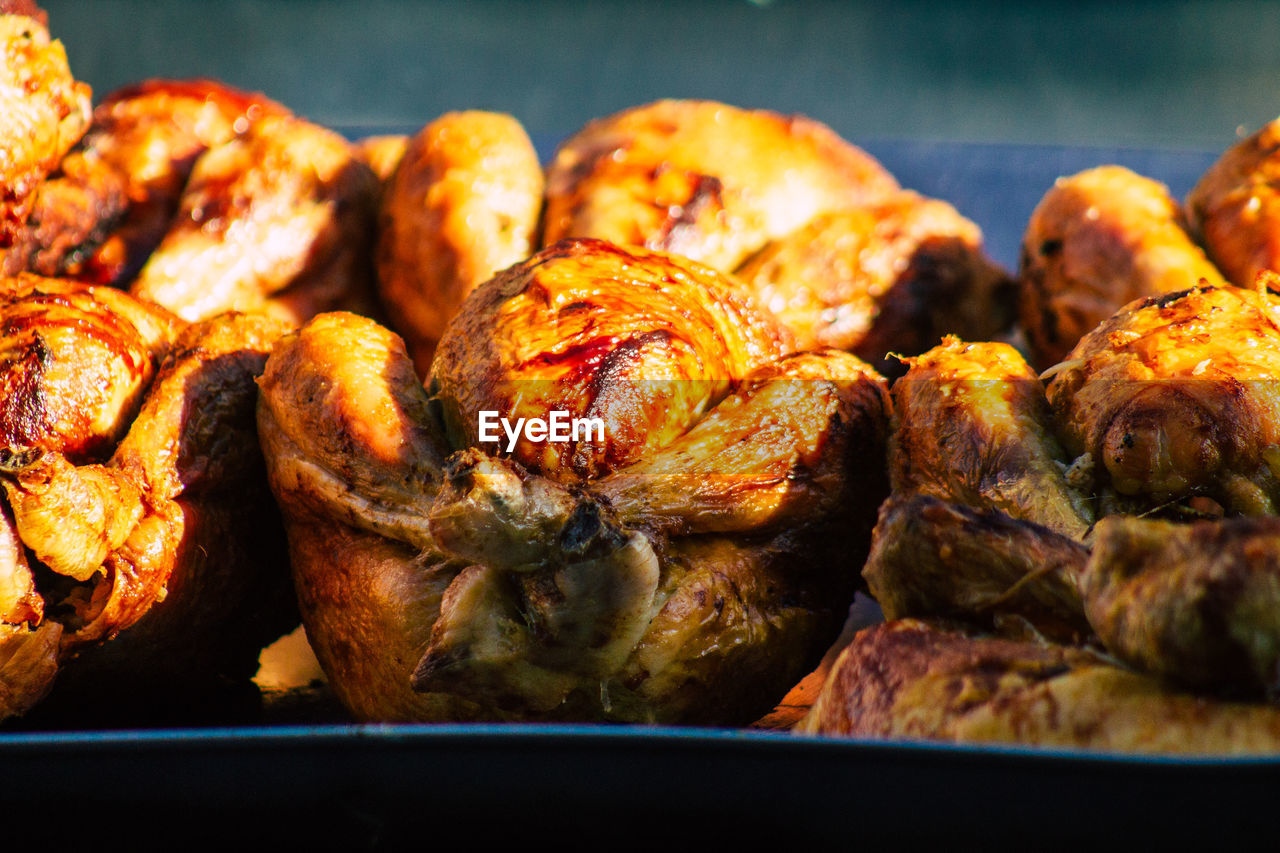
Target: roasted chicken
[112, 198]
[463, 203]
[1097, 241]
[685, 564]
[815, 228]
[890, 275]
[140, 547]
[278, 219]
[1235, 209]
[44, 110]
[913, 680]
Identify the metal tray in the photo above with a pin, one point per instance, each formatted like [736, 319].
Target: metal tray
[372, 786]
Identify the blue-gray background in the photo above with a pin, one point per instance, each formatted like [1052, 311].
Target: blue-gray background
[895, 76]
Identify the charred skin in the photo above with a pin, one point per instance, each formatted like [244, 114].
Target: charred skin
[44, 109]
[1235, 207]
[1097, 241]
[971, 426]
[277, 220]
[464, 202]
[701, 179]
[541, 591]
[910, 679]
[888, 275]
[1176, 396]
[101, 213]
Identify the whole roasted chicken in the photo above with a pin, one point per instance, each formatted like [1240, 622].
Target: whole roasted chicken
[682, 560]
[816, 230]
[141, 555]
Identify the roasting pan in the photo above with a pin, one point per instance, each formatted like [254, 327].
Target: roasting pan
[372, 786]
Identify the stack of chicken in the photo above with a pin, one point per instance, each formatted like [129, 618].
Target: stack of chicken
[1095, 561]
[692, 559]
[144, 563]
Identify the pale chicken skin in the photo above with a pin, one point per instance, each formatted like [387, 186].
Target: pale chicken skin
[99, 216]
[44, 109]
[553, 584]
[1097, 241]
[132, 464]
[464, 202]
[277, 220]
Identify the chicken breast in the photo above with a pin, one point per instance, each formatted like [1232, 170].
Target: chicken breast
[889, 275]
[701, 179]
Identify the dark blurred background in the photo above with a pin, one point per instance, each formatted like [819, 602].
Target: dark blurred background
[981, 103]
[1147, 74]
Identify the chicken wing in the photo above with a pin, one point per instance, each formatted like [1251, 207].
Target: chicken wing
[278, 219]
[1097, 241]
[910, 679]
[888, 275]
[464, 202]
[107, 206]
[701, 179]
[44, 109]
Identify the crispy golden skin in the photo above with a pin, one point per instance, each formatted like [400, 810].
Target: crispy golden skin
[909, 679]
[464, 202]
[931, 558]
[702, 179]
[107, 206]
[1197, 603]
[1177, 396]
[971, 426]
[600, 331]
[171, 530]
[278, 219]
[1097, 241]
[550, 590]
[1235, 207]
[888, 275]
[44, 111]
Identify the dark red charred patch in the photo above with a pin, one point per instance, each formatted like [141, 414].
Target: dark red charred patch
[22, 398]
